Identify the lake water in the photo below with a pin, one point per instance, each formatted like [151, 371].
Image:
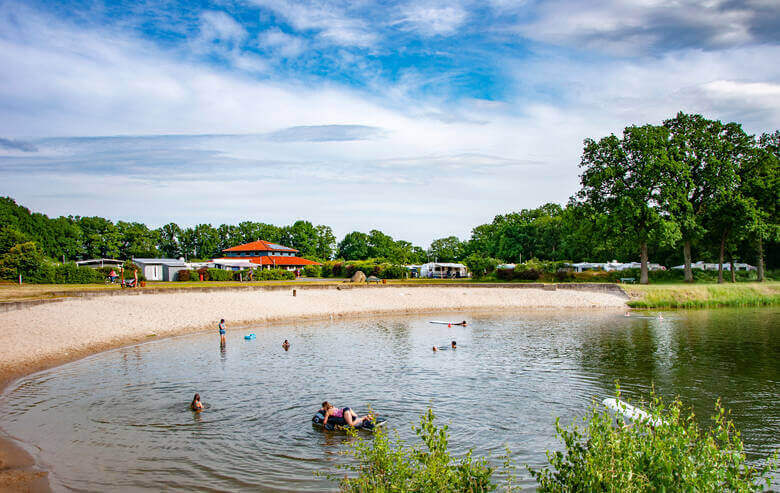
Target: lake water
[120, 419]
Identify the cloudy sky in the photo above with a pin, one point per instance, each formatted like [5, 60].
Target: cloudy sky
[420, 118]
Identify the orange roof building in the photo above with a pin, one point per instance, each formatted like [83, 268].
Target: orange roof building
[267, 255]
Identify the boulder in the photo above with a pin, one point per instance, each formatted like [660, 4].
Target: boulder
[358, 277]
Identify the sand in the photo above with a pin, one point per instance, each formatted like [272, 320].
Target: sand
[46, 335]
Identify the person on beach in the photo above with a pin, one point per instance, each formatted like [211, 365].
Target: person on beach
[196, 404]
[222, 331]
[286, 345]
[342, 413]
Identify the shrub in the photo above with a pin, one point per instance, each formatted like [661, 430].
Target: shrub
[28, 260]
[675, 455]
[390, 465]
[526, 273]
[70, 273]
[183, 275]
[312, 270]
[338, 269]
[505, 274]
[480, 266]
[273, 275]
[395, 271]
[203, 273]
[219, 275]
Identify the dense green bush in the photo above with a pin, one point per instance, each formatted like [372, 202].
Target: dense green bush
[394, 271]
[70, 273]
[184, 275]
[28, 260]
[386, 465]
[675, 455]
[273, 275]
[480, 266]
[220, 275]
[312, 271]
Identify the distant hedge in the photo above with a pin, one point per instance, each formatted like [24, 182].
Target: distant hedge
[371, 267]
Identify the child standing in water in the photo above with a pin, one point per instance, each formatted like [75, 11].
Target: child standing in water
[286, 345]
[222, 331]
[196, 404]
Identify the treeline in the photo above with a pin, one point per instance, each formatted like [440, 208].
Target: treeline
[691, 188]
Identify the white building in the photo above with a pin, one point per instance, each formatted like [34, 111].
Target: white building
[443, 270]
[160, 269]
[726, 266]
[612, 266]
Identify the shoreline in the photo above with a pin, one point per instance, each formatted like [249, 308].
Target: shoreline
[46, 335]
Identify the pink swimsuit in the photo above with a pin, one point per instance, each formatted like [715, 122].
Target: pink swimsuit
[338, 413]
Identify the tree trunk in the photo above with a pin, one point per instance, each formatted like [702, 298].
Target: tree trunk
[760, 260]
[687, 255]
[643, 279]
[733, 274]
[720, 258]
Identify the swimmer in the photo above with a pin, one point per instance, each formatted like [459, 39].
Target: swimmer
[435, 349]
[454, 345]
[222, 331]
[628, 314]
[463, 323]
[660, 317]
[196, 404]
[345, 413]
[286, 345]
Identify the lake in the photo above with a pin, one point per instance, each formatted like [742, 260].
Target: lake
[120, 419]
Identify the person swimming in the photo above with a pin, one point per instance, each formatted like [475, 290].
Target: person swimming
[344, 414]
[628, 314]
[454, 345]
[435, 349]
[286, 345]
[196, 404]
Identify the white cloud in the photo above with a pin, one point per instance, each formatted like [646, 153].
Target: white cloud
[436, 167]
[636, 27]
[286, 45]
[333, 24]
[432, 19]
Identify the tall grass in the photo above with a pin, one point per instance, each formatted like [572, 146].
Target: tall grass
[704, 296]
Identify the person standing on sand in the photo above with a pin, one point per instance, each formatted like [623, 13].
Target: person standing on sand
[222, 331]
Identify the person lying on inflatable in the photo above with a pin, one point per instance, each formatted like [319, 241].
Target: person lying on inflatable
[330, 417]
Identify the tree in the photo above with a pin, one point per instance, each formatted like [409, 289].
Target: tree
[27, 260]
[623, 178]
[703, 170]
[170, 238]
[760, 182]
[326, 242]
[447, 249]
[380, 245]
[10, 237]
[354, 246]
[303, 236]
[137, 240]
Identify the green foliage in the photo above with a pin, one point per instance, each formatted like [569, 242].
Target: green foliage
[184, 275]
[312, 270]
[70, 273]
[220, 275]
[10, 237]
[480, 266]
[273, 275]
[676, 455]
[28, 260]
[387, 465]
[449, 249]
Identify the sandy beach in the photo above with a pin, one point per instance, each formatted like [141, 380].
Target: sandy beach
[46, 335]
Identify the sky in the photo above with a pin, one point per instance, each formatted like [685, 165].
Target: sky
[422, 119]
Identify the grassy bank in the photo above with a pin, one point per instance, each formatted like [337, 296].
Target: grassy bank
[703, 295]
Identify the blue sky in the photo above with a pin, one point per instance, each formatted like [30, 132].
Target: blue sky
[421, 118]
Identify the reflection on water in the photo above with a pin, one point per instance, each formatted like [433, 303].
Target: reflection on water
[121, 420]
